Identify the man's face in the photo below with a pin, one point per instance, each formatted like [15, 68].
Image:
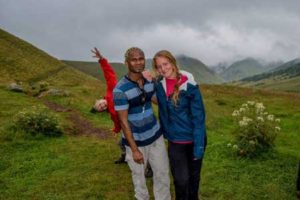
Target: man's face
[136, 62]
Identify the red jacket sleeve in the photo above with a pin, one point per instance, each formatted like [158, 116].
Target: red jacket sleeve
[111, 82]
[109, 75]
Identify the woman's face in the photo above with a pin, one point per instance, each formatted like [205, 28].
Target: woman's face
[101, 105]
[165, 67]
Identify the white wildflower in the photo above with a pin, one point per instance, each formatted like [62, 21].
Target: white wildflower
[251, 102]
[242, 109]
[243, 123]
[229, 145]
[277, 128]
[270, 117]
[245, 105]
[260, 119]
[247, 119]
[235, 113]
[277, 120]
[235, 146]
[259, 107]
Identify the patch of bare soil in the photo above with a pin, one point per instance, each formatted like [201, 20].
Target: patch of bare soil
[80, 126]
[84, 127]
[56, 107]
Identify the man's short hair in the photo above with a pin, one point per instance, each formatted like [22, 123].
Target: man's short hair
[132, 49]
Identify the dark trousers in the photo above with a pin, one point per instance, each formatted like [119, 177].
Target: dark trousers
[185, 171]
[122, 146]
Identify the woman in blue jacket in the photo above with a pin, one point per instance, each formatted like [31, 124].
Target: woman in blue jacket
[182, 118]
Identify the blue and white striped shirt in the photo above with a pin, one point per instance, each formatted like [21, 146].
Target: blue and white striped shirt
[141, 119]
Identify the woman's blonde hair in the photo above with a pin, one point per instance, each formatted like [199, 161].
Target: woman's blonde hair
[172, 60]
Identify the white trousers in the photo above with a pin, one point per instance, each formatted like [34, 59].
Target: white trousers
[156, 155]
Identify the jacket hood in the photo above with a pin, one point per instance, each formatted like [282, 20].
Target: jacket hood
[190, 77]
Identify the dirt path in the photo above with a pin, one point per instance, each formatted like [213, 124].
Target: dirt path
[80, 126]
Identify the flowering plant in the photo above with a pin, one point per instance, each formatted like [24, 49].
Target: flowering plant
[37, 120]
[255, 130]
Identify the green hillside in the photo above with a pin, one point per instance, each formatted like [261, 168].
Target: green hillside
[93, 68]
[21, 61]
[286, 77]
[289, 67]
[24, 63]
[289, 70]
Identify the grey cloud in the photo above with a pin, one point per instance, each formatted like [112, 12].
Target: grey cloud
[211, 30]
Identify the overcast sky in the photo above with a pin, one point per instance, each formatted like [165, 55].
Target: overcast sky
[211, 30]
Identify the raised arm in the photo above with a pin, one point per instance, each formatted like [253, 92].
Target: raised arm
[108, 71]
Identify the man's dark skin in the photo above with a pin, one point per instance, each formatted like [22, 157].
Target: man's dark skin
[135, 63]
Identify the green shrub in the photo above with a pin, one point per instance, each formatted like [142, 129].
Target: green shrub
[35, 89]
[37, 120]
[255, 129]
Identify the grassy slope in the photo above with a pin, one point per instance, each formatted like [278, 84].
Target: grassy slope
[92, 68]
[81, 167]
[283, 78]
[22, 61]
[77, 167]
[69, 167]
[283, 84]
[269, 177]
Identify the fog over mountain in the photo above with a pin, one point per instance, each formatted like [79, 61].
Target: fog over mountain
[213, 31]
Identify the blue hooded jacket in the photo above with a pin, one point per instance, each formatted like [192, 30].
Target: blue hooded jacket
[184, 121]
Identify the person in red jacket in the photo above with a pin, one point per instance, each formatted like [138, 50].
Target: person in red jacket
[107, 102]
[111, 82]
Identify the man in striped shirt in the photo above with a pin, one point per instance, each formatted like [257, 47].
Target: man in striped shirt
[141, 131]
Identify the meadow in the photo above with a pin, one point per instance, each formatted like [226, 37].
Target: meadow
[77, 166]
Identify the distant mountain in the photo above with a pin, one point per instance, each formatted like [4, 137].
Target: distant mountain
[288, 70]
[268, 66]
[285, 77]
[241, 69]
[200, 71]
[289, 67]
[220, 67]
